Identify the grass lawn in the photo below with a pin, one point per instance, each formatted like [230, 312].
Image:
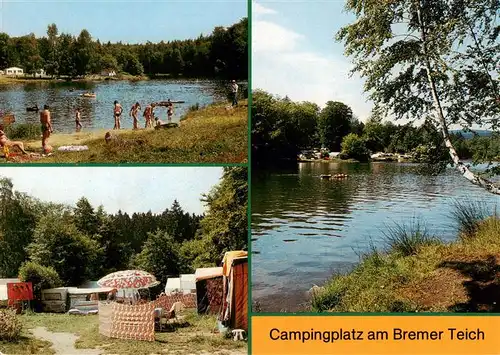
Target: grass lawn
[210, 135]
[462, 276]
[193, 335]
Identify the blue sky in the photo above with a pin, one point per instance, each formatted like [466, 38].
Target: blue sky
[126, 188]
[122, 20]
[294, 53]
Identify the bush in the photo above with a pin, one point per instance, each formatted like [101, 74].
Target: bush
[194, 107]
[329, 297]
[42, 277]
[23, 131]
[468, 215]
[407, 239]
[354, 147]
[10, 325]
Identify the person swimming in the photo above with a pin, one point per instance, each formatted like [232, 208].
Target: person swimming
[117, 110]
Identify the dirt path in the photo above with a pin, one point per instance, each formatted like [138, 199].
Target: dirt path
[63, 343]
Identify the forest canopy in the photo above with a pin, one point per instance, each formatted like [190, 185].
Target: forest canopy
[85, 243]
[222, 54]
[282, 128]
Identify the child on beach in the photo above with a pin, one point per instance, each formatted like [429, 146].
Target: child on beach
[133, 112]
[117, 111]
[77, 120]
[148, 115]
[170, 110]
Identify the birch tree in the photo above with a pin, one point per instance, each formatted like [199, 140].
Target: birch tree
[433, 60]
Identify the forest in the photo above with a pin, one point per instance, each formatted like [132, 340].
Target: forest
[222, 54]
[282, 128]
[53, 245]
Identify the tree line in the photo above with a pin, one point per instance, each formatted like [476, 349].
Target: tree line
[282, 128]
[54, 244]
[222, 54]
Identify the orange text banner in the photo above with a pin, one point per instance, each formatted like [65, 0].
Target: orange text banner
[366, 335]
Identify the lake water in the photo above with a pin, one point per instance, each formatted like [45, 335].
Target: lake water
[304, 228]
[64, 98]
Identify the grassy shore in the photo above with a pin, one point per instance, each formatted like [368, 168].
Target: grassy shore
[6, 80]
[192, 335]
[213, 134]
[422, 274]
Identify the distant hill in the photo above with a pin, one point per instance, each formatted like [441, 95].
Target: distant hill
[469, 135]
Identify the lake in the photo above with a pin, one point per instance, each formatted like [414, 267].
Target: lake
[304, 228]
[64, 98]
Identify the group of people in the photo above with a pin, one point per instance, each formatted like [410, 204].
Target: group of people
[46, 127]
[148, 114]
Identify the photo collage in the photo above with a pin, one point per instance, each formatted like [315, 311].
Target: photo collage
[250, 177]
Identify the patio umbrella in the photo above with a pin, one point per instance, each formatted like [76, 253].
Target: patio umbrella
[128, 279]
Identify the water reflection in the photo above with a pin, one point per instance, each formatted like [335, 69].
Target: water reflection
[333, 221]
[63, 98]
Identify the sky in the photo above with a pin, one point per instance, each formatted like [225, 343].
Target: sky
[294, 53]
[121, 20]
[118, 188]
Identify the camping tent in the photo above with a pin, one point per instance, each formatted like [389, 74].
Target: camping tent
[185, 283]
[209, 290]
[3, 288]
[235, 282]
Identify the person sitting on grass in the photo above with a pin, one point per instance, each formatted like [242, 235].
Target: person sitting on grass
[6, 142]
[162, 124]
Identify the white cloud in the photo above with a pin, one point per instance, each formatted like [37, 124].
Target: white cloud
[258, 9]
[280, 66]
[272, 38]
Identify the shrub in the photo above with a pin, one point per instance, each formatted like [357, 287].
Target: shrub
[42, 277]
[407, 239]
[23, 131]
[327, 298]
[10, 325]
[468, 214]
[194, 107]
[354, 147]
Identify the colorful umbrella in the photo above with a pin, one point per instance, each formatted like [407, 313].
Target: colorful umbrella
[128, 279]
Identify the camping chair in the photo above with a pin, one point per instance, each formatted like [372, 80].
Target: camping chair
[176, 308]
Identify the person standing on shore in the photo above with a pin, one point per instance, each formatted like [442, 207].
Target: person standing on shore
[234, 92]
[147, 115]
[133, 112]
[77, 120]
[170, 110]
[117, 113]
[45, 121]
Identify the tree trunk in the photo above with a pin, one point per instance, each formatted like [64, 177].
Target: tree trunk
[464, 170]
